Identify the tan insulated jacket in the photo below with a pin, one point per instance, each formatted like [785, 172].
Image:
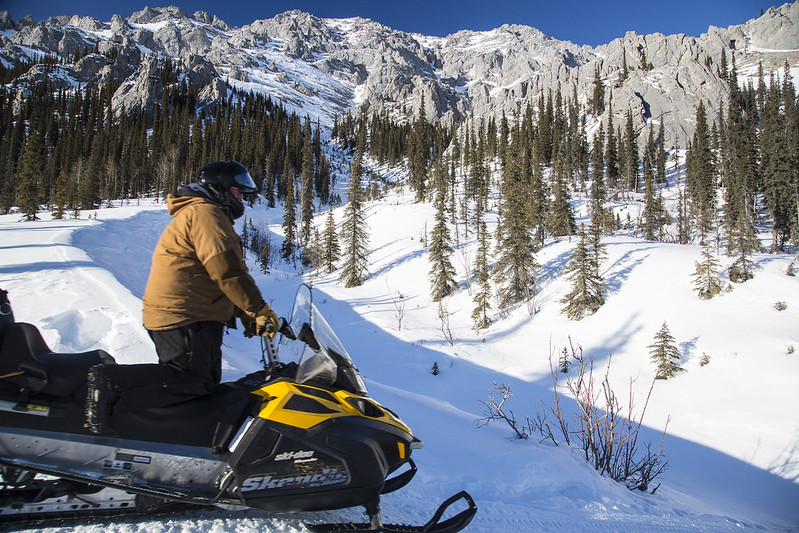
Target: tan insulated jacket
[198, 271]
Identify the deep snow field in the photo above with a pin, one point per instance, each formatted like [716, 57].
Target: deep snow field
[733, 424]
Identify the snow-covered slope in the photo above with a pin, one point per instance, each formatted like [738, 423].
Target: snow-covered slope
[732, 441]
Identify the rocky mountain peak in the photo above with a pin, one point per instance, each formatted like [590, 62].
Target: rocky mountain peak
[326, 67]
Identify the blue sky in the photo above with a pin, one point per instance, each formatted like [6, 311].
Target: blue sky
[589, 22]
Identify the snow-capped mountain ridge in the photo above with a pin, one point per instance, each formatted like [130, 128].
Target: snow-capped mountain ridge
[327, 67]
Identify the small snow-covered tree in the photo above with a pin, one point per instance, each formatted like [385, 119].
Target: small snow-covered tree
[586, 296]
[744, 242]
[665, 354]
[706, 279]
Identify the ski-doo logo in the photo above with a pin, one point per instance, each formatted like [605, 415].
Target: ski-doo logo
[329, 476]
[288, 456]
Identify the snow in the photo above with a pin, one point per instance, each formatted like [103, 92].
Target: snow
[733, 427]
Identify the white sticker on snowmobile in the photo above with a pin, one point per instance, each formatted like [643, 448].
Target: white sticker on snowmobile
[330, 476]
[117, 465]
[144, 459]
[240, 434]
[299, 457]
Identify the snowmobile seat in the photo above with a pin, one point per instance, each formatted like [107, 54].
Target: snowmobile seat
[207, 421]
[27, 361]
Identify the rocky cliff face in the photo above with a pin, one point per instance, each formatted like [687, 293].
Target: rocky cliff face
[327, 67]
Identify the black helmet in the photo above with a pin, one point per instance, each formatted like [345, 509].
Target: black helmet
[219, 176]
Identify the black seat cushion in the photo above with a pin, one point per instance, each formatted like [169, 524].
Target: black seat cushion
[43, 371]
[207, 421]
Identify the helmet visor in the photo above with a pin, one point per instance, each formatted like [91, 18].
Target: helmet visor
[244, 182]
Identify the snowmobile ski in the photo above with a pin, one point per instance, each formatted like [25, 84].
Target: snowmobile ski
[434, 525]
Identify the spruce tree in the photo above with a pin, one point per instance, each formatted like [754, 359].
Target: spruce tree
[706, 279]
[60, 195]
[288, 248]
[743, 242]
[329, 247]
[560, 222]
[442, 273]
[597, 191]
[660, 155]
[419, 154]
[516, 264]
[612, 173]
[30, 169]
[700, 174]
[651, 214]
[778, 162]
[306, 186]
[629, 155]
[482, 298]
[586, 295]
[598, 94]
[665, 354]
[354, 232]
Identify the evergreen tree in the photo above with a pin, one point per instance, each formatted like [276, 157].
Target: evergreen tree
[598, 95]
[442, 273]
[329, 247]
[664, 354]
[354, 232]
[561, 216]
[778, 161]
[625, 72]
[706, 278]
[700, 174]
[516, 264]
[744, 242]
[586, 295]
[660, 155]
[482, 298]
[30, 170]
[60, 195]
[651, 215]
[306, 186]
[739, 177]
[288, 249]
[612, 173]
[597, 196]
[420, 154]
[629, 155]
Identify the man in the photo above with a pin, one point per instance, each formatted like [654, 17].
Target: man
[198, 283]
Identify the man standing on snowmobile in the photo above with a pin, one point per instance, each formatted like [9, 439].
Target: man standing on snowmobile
[198, 283]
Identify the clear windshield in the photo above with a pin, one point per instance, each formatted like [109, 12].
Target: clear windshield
[321, 356]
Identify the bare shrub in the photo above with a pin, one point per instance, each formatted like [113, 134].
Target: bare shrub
[607, 432]
[443, 317]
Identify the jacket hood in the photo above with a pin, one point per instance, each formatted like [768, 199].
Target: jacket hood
[189, 194]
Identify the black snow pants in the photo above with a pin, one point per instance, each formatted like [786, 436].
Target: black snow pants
[189, 365]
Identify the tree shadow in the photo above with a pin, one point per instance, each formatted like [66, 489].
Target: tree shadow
[623, 267]
[43, 266]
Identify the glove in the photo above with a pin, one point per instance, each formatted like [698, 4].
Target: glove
[266, 322]
[248, 324]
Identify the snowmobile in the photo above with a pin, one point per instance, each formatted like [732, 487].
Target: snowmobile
[300, 435]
